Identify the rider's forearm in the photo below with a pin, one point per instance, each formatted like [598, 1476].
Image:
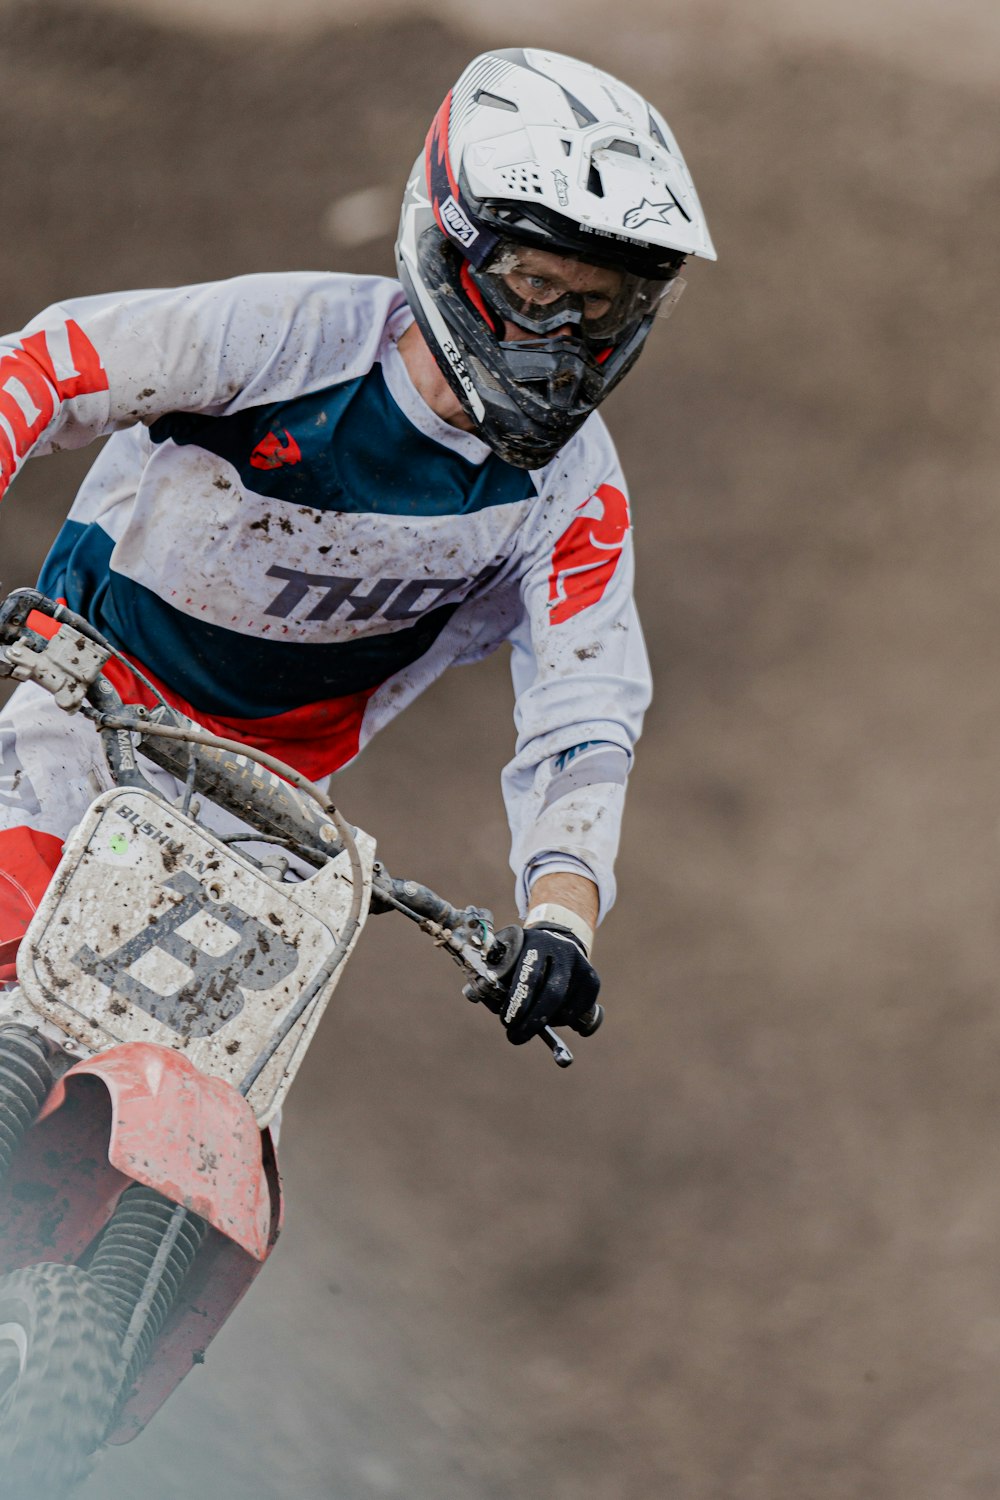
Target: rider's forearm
[574, 892]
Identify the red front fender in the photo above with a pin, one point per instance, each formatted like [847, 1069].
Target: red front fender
[191, 1137]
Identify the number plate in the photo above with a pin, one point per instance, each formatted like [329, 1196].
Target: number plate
[154, 931]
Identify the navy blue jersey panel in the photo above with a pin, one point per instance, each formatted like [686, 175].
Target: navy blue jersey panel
[218, 670]
[77, 569]
[348, 448]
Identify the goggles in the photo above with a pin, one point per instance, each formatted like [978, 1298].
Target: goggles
[543, 291]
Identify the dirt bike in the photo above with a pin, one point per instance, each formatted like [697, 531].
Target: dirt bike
[168, 987]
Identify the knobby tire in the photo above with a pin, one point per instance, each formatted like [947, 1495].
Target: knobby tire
[59, 1368]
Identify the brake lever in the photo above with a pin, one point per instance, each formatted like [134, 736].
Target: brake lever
[561, 1054]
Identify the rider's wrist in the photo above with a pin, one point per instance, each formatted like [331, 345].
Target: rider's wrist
[562, 916]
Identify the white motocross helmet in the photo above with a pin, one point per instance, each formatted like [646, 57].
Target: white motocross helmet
[535, 151]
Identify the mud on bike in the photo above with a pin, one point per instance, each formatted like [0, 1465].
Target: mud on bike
[168, 988]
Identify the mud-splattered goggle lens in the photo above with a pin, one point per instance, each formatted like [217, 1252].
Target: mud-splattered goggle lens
[542, 291]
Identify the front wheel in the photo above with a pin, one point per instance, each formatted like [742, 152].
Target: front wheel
[59, 1357]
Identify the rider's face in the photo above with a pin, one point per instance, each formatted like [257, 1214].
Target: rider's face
[540, 278]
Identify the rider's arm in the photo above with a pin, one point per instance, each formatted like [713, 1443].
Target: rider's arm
[582, 684]
[575, 893]
[93, 365]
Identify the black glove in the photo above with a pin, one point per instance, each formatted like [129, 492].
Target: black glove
[545, 978]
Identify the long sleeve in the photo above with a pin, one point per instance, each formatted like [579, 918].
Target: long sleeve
[94, 365]
[582, 684]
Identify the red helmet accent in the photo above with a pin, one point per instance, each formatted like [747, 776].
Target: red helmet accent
[477, 299]
[436, 158]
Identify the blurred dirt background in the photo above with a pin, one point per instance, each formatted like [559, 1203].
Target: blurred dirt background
[747, 1249]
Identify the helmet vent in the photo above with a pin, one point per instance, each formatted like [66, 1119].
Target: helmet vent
[567, 147]
[522, 179]
[656, 133]
[581, 113]
[494, 101]
[624, 148]
[594, 183]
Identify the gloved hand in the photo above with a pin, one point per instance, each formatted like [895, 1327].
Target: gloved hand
[545, 977]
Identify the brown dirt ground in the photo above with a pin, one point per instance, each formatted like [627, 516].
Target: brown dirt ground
[747, 1248]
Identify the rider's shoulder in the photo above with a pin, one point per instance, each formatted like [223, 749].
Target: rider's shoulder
[301, 326]
[588, 460]
[322, 295]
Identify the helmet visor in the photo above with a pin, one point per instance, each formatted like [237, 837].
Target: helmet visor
[542, 291]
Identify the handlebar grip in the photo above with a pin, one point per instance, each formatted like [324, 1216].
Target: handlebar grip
[590, 1021]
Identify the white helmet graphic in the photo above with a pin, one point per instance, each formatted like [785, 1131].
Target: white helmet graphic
[534, 157]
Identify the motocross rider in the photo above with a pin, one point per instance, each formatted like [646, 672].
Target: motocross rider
[320, 491]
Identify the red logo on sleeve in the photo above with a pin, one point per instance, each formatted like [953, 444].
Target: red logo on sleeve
[586, 554]
[30, 389]
[272, 453]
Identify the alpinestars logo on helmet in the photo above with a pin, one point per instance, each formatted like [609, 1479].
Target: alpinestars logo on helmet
[650, 213]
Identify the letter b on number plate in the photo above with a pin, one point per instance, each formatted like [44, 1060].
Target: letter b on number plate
[194, 990]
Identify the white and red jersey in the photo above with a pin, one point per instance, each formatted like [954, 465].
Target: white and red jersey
[294, 545]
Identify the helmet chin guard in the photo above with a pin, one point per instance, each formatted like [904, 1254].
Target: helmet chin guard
[533, 150]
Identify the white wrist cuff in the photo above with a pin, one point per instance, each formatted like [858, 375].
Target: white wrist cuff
[551, 911]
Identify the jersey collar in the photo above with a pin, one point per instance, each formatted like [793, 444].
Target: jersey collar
[412, 404]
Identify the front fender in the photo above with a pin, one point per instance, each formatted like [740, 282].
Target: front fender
[190, 1136]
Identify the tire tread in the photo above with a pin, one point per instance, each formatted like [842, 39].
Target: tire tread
[57, 1415]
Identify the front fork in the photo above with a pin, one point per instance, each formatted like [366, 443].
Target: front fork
[141, 1261]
